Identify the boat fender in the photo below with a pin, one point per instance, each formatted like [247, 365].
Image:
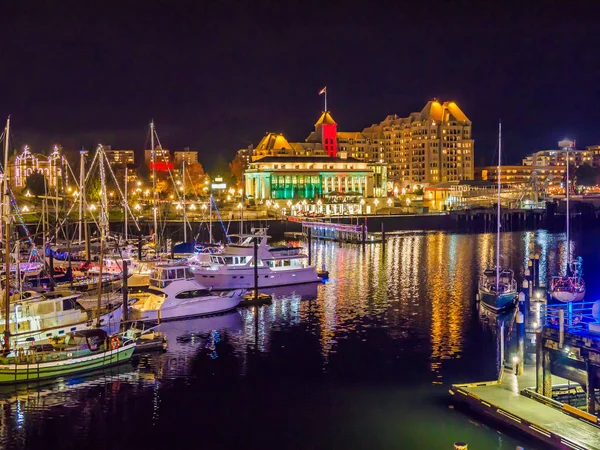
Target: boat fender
[115, 342]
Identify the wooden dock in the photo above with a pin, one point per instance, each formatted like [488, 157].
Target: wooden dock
[504, 401]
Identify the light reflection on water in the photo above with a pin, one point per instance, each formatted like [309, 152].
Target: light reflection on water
[393, 321]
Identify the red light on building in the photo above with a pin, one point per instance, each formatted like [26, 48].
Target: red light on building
[161, 166]
[330, 139]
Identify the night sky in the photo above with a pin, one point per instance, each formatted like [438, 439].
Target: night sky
[216, 76]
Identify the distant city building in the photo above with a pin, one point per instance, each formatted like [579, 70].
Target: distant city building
[52, 166]
[245, 155]
[119, 157]
[525, 174]
[558, 157]
[162, 159]
[187, 155]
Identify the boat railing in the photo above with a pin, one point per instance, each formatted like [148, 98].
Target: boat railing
[286, 252]
[572, 316]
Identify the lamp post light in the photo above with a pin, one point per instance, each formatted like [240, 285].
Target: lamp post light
[389, 203]
[376, 202]
[362, 204]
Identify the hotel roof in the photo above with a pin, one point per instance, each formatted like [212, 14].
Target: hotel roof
[293, 159]
[325, 119]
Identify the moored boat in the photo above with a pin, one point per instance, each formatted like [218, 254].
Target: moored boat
[82, 351]
[277, 266]
[175, 294]
[497, 288]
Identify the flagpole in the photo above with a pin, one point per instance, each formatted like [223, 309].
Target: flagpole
[325, 99]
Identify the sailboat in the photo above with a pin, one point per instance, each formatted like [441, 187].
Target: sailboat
[498, 287]
[570, 287]
[76, 350]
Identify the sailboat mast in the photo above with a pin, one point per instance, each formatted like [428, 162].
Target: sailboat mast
[184, 209]
[81, 191]
[103, 224]
[7, 241]
[568, 218]
[125, 210]
[498, 213]
[153, 161]
[210, 202]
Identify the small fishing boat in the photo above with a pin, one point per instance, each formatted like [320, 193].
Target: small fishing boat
[81, 351]
[175, 294]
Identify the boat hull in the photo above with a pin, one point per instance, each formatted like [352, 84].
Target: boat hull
[244, 278]
[567, 296]
[108, 321]
[22, 373]
[202, 306]
[497, 302]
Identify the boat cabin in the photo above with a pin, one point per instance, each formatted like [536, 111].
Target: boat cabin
[162, 276]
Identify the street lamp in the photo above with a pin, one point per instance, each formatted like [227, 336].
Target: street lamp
[92, 207]
[137, 207]
[25, 209]
[376, 202]
[362, 204]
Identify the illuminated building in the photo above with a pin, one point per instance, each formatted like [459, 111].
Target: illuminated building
[52, 166]
[190, 157]
[427, 147]
[119, 157]
[522, 174]
[162, 160]
[312, 177]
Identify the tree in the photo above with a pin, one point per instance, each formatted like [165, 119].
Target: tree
[195, 173]
[237, 167]
[586, 175]
[36, 183]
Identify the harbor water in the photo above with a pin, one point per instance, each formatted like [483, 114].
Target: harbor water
[363, 360]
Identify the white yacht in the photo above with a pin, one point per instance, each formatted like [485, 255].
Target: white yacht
[277, 266]
[40, 317]
[175, 294]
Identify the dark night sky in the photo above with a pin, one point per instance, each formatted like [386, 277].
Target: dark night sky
[216, 76]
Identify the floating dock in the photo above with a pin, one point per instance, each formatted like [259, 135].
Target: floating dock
[567, 359]
[549, 422]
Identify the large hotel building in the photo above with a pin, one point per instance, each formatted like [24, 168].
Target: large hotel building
[426, 148]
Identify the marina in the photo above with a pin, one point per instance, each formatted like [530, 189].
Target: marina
[305, 336]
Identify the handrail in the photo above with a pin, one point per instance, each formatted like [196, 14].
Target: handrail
[575, 315]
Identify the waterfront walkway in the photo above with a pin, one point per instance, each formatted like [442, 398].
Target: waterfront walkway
[503, 400]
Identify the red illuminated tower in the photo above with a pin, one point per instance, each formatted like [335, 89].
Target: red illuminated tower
[326, 132]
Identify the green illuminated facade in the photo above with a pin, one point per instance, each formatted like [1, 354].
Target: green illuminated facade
[312, 177]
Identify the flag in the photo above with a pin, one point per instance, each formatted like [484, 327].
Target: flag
[323, 91]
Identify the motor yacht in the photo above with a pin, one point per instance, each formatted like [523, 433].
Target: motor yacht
[277, 266]
[175, 294]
